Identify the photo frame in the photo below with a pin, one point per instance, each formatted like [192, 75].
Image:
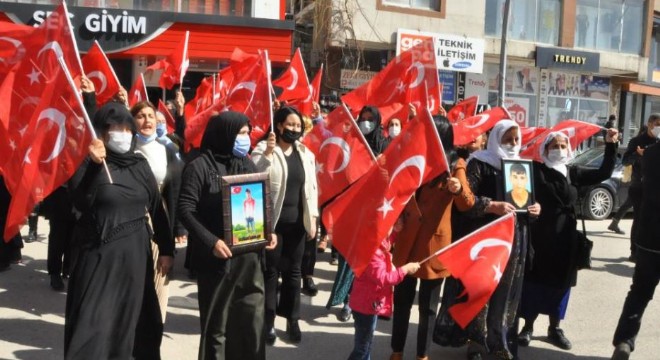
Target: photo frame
[518, 183]
[246, 212]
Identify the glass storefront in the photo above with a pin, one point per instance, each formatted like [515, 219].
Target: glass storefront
[575, 96]
[530, 20]
[610, 25]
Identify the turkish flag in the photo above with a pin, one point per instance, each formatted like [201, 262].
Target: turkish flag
[138, 92]
[362, 216]
[174, 66]
[464, 109]
[388, 90]
[306, 106]
[576, 130]
[294, 81]
[99, 70]
[53, 144]
[196, 125]
[13, 38]
[530, 133]
[466, 130]
[342, 153]
[169, 119]
[478, 260]
[250, 91]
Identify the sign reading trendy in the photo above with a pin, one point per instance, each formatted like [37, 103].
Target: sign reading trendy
[453, 53]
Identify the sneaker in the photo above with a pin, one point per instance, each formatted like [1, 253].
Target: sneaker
[622, 352]
[56, 282]
[615, 227]
[334, 261]
[525, 337]
[271, 336]
[309, 288]
[557, 338]
[32, 237]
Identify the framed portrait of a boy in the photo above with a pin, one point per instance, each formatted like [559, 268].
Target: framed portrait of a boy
[246, 212]
[518, 183]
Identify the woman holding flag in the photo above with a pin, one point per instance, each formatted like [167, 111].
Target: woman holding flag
[548, 281]
[495, 327]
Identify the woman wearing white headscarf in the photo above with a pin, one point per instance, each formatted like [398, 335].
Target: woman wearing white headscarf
[495, 328]
[553, 271]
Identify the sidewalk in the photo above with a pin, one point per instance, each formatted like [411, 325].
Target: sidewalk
[32, 315]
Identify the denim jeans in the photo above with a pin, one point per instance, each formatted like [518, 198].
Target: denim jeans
[645, 279]
[365, 325]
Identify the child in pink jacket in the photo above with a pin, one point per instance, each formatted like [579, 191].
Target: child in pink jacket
[372, 297]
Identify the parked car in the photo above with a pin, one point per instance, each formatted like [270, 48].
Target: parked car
[600, 200]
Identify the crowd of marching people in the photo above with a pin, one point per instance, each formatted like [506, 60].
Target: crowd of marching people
[428, 184]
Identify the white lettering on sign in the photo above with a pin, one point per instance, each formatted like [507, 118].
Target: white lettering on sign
[104, 22]
[454, 53]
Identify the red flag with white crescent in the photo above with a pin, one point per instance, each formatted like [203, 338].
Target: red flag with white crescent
[478, 260]
[362, 216]
[99, 70]
[342, 154]
[294, 82]
[576, 130]
[468, 129]
[463, 109]
[174, 66]
[138, 92]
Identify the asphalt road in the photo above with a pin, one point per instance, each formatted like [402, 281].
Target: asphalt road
[32, 315]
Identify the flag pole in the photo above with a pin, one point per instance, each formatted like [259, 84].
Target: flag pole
[69, 78]
[185, 58]
[270, 86]
[500, 219]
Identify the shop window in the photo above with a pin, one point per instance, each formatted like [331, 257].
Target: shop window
[529, 20]
[610, 25]
[431, 8]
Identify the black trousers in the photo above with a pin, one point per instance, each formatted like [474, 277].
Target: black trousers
[623, 209]
[309, 259]
[635, 194]
[404, 296]
[59, 246]
[285, 260]
[645, 279]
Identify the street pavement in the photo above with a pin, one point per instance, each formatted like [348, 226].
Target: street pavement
[32, 315]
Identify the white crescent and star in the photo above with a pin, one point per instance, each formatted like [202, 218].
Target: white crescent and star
[59, 119]
[420, 74]
[54, 46]
[345, 148]
[488, 243]
[294, 82]
[99, 75]
[247, 85]
[417, 161]
[482, 120]
[18, 54]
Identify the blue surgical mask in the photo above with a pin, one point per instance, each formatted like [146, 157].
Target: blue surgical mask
[241, 145]
[146, 139]
[161, 129]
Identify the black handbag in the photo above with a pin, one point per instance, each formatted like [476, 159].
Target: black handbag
[584, 247]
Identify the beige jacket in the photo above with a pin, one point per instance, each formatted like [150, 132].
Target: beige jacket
[275, 165]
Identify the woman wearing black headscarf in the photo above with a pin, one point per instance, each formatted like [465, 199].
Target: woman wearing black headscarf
[369, 123]
[112, 311]
[230, 288]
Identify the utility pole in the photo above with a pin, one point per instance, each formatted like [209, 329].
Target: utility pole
[505, 33]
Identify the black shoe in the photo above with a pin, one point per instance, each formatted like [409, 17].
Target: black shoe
[632, 258]
[614, 226]
[525, 336]
[271, 336]
[345, 314]
[4, 266]
[293, 330]
[622, 352]
[56, 282]
[557, 338]
[309, 288]
[32, 237]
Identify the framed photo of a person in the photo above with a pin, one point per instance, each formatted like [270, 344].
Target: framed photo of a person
[518, 183]
[246, 211]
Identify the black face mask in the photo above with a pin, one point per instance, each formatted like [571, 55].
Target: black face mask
[291, 136]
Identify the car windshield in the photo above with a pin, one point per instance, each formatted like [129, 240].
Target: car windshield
[594, 157]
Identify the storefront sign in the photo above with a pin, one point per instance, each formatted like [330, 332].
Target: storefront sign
[460, 87]
[454, 53]
[477, 85]
[518, 107]
[560, 58]
[352, 79]
[448, 82]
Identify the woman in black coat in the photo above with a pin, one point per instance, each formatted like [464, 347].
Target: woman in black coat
[553, 271]
[230, 288]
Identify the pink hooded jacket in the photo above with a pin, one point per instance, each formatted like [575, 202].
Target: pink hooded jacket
[373, 291]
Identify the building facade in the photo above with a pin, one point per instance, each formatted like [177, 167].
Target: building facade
[136, 33]
[578, 59]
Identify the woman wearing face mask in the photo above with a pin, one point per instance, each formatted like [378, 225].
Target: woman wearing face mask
[494, 329]
[294, 193]
[230, 288]
[369, 123]
[554, 238]
[112, 310]
[393, 128]
[167, 167]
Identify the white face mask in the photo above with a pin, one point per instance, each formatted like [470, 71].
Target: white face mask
[366, 127]
[558, 156]
[511, 151]
[394, 131]
[119, 141]
[656, 131]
